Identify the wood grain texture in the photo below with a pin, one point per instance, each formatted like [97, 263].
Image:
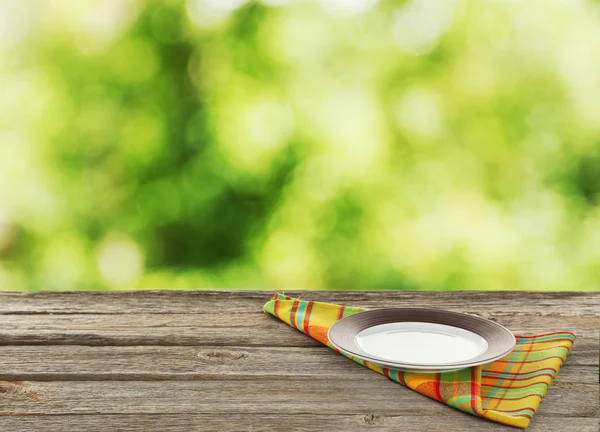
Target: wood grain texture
[179, 361]
[237, 329]
[290, 395]
[195, 302]
[269, 422]
[142, 363]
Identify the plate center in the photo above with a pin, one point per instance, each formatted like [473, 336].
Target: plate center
[420, 343]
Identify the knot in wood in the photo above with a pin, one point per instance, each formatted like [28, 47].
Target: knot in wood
[223, 355]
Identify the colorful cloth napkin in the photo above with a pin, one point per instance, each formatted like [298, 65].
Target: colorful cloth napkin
[506, 391]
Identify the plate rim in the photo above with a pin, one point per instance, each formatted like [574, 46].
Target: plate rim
[419, 366]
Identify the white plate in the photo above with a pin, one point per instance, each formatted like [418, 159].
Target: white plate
[426, 344]
[424, 340]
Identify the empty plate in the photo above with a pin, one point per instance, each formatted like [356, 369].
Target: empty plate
[429, 340]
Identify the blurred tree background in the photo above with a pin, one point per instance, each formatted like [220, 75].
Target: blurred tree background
[332, 144]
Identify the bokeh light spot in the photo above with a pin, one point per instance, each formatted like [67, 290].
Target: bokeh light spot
[120, 261]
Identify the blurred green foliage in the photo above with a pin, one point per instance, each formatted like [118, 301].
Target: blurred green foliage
[333, 144]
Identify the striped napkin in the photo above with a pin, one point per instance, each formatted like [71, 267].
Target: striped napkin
[506, 391]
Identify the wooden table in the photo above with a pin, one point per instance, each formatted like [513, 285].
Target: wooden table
[213, 361]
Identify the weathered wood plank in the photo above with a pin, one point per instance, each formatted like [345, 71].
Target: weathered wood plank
[293, 395]
[268, 422]
[238, 329]
[540, 303]
[139, 363]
